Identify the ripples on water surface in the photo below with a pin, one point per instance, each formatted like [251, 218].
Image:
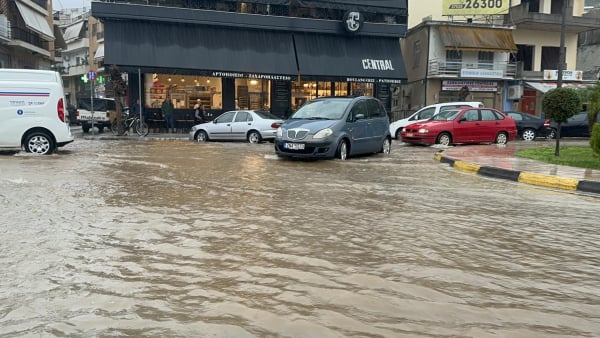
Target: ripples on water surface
[225, 240]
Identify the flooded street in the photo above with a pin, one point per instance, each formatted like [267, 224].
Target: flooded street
[180, 239]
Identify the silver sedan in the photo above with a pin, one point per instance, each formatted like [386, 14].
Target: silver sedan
[238, 125]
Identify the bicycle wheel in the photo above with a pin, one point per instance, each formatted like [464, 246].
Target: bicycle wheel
[141, 127]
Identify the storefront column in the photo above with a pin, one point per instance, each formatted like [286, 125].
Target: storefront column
[228, 85]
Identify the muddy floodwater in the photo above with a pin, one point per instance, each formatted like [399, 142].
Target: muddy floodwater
[180, 239]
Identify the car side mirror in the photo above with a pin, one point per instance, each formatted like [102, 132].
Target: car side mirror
[359, 117]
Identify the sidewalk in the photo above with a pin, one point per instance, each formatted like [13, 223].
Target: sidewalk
[500, 162]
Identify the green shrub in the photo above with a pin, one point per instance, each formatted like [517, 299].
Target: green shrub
[595, 139]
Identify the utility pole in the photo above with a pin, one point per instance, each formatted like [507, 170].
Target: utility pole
[561, 53]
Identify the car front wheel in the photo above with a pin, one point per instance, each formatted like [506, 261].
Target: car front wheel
[342, 150]
[40, 143]
[528, 134]
[444, 139]
[399, 134]
[201, 136]
[501, 138]
[386, 146]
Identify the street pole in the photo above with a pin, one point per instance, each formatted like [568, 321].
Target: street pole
[140, 95]
[92, 103]
[561, 54]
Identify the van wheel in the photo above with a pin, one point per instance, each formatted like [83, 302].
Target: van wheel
[39, 142]
[342, 150]
[85, 129]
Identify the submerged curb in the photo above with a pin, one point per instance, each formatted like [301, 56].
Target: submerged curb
[549, 181]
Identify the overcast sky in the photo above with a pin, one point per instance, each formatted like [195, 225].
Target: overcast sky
[62, 4]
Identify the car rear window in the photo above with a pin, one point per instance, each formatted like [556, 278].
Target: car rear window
[99, 104]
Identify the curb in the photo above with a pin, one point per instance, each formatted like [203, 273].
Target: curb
[549, 181]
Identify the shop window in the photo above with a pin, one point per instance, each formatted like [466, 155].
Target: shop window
[252, 94]
[185, 90]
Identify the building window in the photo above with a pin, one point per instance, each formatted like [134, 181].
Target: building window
[417, 54]
[486, 60]
[453, 60]
[550, 57]
[524, 57]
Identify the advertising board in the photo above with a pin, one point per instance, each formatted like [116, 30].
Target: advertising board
[475, 7]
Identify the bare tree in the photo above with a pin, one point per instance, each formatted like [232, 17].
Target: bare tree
[120, 88]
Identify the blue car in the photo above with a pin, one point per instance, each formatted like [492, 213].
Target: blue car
[335, 127]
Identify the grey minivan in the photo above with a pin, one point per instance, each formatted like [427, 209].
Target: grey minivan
[335, 127]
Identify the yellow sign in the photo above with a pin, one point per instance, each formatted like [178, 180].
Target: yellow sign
[475, 7]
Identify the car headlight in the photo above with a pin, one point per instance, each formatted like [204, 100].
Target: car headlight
[323, 133]
[423, 131]
[279, 132]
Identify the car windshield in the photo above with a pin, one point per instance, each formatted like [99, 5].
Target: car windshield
[322, 110]
[447, 115]
[267, 115]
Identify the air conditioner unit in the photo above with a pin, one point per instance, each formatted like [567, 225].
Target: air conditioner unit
[515, 92]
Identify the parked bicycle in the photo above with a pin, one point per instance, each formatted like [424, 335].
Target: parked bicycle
[131, 122]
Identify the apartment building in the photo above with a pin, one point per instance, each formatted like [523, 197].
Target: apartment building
[27, 34]
[507, 57]
[83, 36]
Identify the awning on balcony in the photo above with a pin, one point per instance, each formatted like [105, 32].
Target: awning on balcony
[477, 39]
[546, 86]
[99, 52]
[59, 41]
[73, 32]
[35, 21]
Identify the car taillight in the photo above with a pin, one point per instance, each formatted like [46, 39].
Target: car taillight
[60, 109]
[275, 125]
[547, 123]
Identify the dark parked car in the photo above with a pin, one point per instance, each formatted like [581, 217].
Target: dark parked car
[530, 126]
[335, 127]
[576, 126]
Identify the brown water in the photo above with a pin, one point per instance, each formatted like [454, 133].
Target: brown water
[179, 239]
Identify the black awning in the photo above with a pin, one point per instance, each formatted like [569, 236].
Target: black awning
[350, 58]
[196, 47]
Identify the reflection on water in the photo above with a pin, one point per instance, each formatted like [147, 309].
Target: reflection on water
[225, 240]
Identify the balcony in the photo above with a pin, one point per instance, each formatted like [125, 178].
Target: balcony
[78, 44]
[77, 70]
[23, 38]
[524, 19]
[490, 70]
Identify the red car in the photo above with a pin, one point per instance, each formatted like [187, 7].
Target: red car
[462, 125]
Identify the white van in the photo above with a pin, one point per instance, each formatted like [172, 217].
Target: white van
[32, 111]
[426, 113]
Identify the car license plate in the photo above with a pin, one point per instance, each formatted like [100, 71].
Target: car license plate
[294, 146]
[409, 134]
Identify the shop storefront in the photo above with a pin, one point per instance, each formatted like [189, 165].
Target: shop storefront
[228, 60]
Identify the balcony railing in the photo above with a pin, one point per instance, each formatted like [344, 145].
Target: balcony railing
[4, 27]
[443, 68]
[30, 38]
